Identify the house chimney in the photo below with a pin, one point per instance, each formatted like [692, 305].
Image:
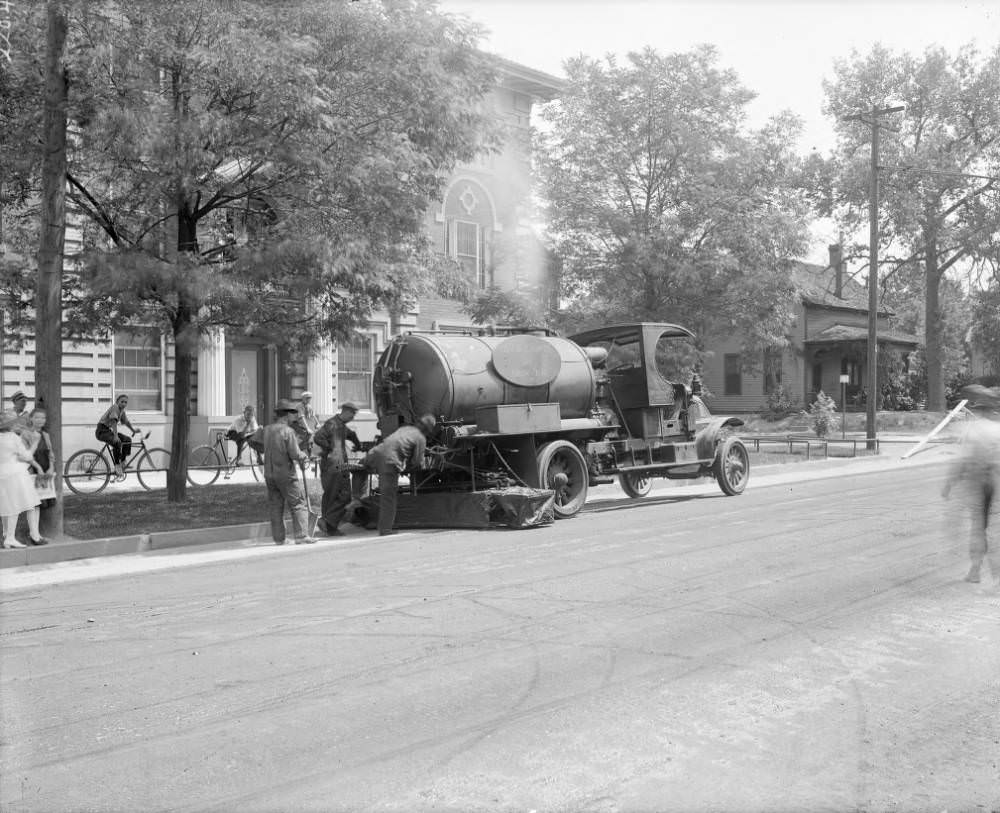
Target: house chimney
[837, 264]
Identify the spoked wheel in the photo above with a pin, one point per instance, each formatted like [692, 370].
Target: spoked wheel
[152, 468]
[561, 467]
[256, 469]
[634, 484]
[204, 466]
[732, 466]
[87, 472]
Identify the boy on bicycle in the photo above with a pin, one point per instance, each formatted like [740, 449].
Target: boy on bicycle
[241, 430]
[107, 432]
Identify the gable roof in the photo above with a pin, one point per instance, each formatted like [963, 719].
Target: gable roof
[817, 285]
[856, 333]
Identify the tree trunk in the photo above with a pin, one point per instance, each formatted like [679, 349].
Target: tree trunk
[932, 326]
[183, 365]
[48, 290]
[185, 348]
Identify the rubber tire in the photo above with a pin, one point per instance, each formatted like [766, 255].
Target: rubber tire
[152, 468]
[562, 456]
[204, 466]
[731, 466]
[635, 485]
[100, 477]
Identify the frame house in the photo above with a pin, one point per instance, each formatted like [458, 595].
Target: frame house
[482, 221]
[828, 338]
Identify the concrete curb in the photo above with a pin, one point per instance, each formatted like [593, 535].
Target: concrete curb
[138, 543]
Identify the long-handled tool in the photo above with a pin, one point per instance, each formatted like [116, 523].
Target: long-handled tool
[313, 516]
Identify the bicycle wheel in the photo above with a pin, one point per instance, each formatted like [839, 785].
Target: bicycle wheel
[204, 466]
[87, 472]
[152, 468]
[256, 469]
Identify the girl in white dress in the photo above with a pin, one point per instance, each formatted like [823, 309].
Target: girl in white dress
[17, 488]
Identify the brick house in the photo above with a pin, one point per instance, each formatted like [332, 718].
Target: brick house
[828, 338]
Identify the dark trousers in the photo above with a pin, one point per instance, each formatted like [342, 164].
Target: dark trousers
[983, 496]
[121, 445]
[388, 499]
[336, 495]
[279, 494]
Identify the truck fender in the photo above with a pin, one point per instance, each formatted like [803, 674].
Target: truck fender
[709, 434]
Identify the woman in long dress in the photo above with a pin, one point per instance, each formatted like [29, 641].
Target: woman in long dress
[17, 489]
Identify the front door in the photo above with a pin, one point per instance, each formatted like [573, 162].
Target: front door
[244, 380]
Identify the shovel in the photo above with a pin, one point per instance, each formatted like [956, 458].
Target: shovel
[313, 516]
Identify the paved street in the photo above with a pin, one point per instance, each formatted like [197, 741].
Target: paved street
[806, 646]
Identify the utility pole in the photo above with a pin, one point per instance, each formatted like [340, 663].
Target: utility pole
[871, 401]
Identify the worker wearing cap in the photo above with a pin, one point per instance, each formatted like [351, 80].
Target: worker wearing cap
[403, 450]
[335, 473]
[282, 461]
[306, 423]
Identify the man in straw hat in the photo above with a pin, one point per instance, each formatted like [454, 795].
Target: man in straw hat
[978, 468]
[282, 461]
[19, 405]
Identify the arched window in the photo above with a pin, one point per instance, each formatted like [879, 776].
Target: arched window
[469, 227]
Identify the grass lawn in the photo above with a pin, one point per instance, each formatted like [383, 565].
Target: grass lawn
[125, 513]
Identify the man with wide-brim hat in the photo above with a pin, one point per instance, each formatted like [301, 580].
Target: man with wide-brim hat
[977, 469]
[283, 460]
[335, 473]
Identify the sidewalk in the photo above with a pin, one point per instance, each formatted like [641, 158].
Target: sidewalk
[259, 533]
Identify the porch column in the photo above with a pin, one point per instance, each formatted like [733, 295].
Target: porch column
[320, 380]
[212, 374]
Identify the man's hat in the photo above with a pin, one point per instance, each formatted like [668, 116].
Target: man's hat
[285, 405]
[349, 405]
[18, 394]
[306, 394]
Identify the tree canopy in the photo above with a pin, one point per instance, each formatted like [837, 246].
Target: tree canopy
[940, 179]
[262, 165]
[663, 204]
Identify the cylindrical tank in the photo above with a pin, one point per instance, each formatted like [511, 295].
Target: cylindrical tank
[451, 376]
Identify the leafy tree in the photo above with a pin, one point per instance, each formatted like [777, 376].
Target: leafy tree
[505, 307]
[986, 322]
[264, 166]
[940, 199]
[662, 205]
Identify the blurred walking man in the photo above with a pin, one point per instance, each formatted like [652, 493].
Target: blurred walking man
[978, 467]
[282, 460]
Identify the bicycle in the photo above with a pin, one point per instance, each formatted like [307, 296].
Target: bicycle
[206, 463]
[89, 471]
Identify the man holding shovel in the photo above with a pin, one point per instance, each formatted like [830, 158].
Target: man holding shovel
[282, 461]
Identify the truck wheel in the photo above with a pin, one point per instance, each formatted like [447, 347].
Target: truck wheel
[732, 466]
[634, 484]
[560, 457]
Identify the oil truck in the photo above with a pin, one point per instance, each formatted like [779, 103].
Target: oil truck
[565, 414]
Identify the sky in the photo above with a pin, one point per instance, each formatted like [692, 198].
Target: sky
[782, 50]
